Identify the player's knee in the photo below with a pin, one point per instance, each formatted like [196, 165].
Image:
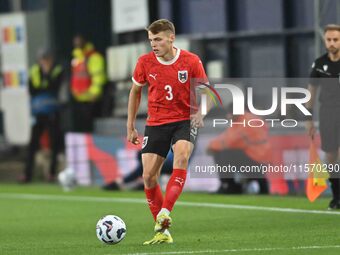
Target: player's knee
[181, 161]
[150, 180]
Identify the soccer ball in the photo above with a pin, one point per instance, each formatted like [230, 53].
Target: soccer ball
[111, 229]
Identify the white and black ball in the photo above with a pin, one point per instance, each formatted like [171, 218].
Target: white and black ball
[111, 229]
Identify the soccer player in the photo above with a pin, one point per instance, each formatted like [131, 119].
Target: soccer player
[167, 71]
[328, 66]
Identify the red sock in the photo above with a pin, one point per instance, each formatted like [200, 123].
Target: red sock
[155, 199]
[174, 188]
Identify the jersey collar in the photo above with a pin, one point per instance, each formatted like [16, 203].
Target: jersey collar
[170, 62]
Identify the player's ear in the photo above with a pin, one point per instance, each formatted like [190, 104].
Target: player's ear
[172, 38]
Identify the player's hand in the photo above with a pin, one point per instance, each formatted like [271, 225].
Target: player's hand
[310, 128]
[132, 136]
[197, 120]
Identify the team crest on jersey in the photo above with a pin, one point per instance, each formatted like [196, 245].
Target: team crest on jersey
[145, 141]
[183, 76]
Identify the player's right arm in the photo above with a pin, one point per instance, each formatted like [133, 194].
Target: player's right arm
[139, 80]
[133, 105]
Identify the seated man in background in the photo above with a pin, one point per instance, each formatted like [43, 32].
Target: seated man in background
[241, 145]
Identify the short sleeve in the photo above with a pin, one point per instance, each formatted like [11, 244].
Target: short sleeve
[313, 76]
[139, 76]
[198, 70]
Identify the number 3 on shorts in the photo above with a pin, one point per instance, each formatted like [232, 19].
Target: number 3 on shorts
[170, 96]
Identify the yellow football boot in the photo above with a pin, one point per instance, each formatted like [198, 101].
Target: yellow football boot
[163, 222]
[160, 238]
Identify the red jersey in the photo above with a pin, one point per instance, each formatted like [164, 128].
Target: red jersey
[169, 87]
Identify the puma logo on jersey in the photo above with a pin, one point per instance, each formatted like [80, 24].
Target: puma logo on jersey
[153, 76]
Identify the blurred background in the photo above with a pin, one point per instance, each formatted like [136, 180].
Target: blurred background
[234, 38]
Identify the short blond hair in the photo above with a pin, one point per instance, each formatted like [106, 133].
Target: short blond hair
[161, 25]
[331, 27]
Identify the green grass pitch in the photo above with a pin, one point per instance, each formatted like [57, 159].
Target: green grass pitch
[49, 221]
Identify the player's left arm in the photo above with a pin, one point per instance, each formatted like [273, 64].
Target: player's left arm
[199, 73]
